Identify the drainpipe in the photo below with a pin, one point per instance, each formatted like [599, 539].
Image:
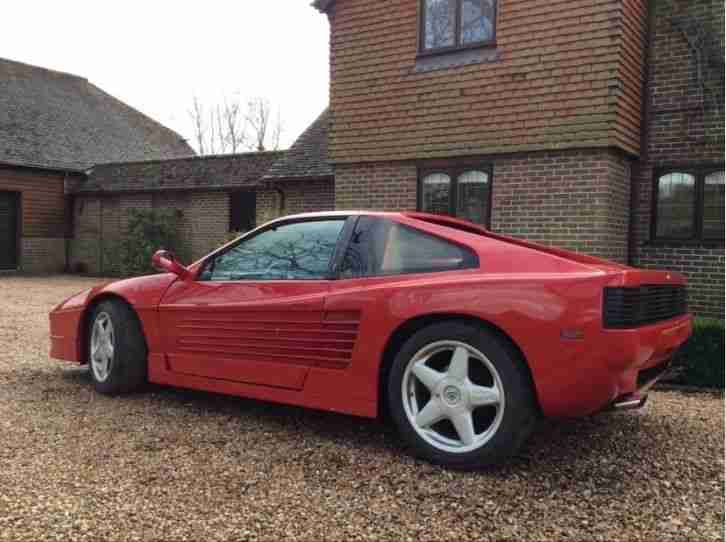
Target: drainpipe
[644, 159]
[68, 233]
[281, 200]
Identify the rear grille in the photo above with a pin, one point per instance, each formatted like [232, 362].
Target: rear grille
[633, 307]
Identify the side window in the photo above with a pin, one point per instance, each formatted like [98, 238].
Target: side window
[461, 192]
[689, 205]
[456, 24]
[381, 247]
[299, 251]
[676, 205]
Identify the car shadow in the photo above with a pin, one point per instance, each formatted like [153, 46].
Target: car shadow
[570, 446]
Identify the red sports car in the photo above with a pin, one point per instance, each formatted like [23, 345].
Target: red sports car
[465, 337]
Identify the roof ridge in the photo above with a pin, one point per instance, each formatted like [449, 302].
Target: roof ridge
[42, 68]
[191, 158]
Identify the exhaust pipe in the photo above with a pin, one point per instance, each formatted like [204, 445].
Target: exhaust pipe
[630, 401]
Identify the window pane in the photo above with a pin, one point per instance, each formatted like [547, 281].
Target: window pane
[411, 251]
[381, 247]
[713, 205]
[242, 211]
[437, 193]
[477, 21]
[676, 196]
[439, 23]
[472, 197]
[299, 251]
[364, 254]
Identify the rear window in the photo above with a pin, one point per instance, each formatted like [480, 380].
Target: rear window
[380, 247]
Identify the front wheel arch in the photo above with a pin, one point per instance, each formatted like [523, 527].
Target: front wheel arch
[407, 329]
[85, 321]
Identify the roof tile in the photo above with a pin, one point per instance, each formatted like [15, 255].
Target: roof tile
[308, 156]
[57, 120]
[223, 172]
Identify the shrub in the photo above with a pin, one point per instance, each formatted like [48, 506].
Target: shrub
[148, 231]
[701, 361]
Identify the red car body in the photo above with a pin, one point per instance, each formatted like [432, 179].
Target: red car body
[323, 343]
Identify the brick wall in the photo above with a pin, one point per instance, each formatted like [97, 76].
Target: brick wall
[303, 196]
[85, 251]
[563, 74]
[572, 199]
[676, 133]
[209, 218]
[268, 206]
[43, 212]
[575, 199]
[101, 223]
[43, 202]
[385, 186]
[43, 255]
[181, 203]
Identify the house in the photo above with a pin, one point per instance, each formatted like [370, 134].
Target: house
[53, 127]
[580, 124]
[214, 196]
[74, 161]
[597, 126]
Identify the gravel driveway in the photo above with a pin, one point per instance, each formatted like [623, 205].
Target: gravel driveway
[173, 464]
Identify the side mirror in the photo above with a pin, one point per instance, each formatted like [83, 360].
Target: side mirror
[163, 260]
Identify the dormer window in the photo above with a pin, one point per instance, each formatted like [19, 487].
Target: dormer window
[448, 25]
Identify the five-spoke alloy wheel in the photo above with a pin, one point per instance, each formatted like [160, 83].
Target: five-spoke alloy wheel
[460, 395]
[474, 410]
[116, 348]
[102, 347]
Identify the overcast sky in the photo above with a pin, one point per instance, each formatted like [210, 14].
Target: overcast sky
[156, 55]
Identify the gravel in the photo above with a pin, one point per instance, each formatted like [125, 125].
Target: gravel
[171, 464]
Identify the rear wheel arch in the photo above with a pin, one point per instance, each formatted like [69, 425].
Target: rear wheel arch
[407, 329]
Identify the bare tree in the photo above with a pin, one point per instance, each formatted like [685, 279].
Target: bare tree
[226, 128]
[266, 131]
[235, 127]
[200, 127]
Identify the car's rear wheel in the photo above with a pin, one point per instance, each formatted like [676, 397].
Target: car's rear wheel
[116, 348]
[460, 396]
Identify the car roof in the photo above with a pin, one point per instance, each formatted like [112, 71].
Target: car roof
[441, 220]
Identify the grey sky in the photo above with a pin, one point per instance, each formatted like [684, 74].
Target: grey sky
[156, 55]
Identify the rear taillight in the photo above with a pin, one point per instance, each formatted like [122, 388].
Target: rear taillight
[648, 304]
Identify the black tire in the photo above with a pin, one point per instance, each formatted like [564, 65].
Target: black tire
[128, 367]
[519, 413]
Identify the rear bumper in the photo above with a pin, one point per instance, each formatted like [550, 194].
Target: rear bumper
[646, 379]
[615, 369]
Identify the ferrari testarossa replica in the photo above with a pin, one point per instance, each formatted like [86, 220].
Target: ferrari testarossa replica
[464, 337]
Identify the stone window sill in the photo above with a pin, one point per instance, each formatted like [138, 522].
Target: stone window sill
[662, 243]
[456, 59]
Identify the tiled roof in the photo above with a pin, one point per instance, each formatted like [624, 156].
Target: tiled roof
[323, 5]
[308, 156]
[61, 121]
[221, 172]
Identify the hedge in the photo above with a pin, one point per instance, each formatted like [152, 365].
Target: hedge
[701, 361]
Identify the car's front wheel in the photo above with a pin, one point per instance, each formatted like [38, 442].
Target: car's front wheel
[460, 396]
[116, 348]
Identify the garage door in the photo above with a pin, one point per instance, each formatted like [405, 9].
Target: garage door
[8, 230]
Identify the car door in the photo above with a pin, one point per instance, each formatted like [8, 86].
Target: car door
[255, 311]
[384, 278]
